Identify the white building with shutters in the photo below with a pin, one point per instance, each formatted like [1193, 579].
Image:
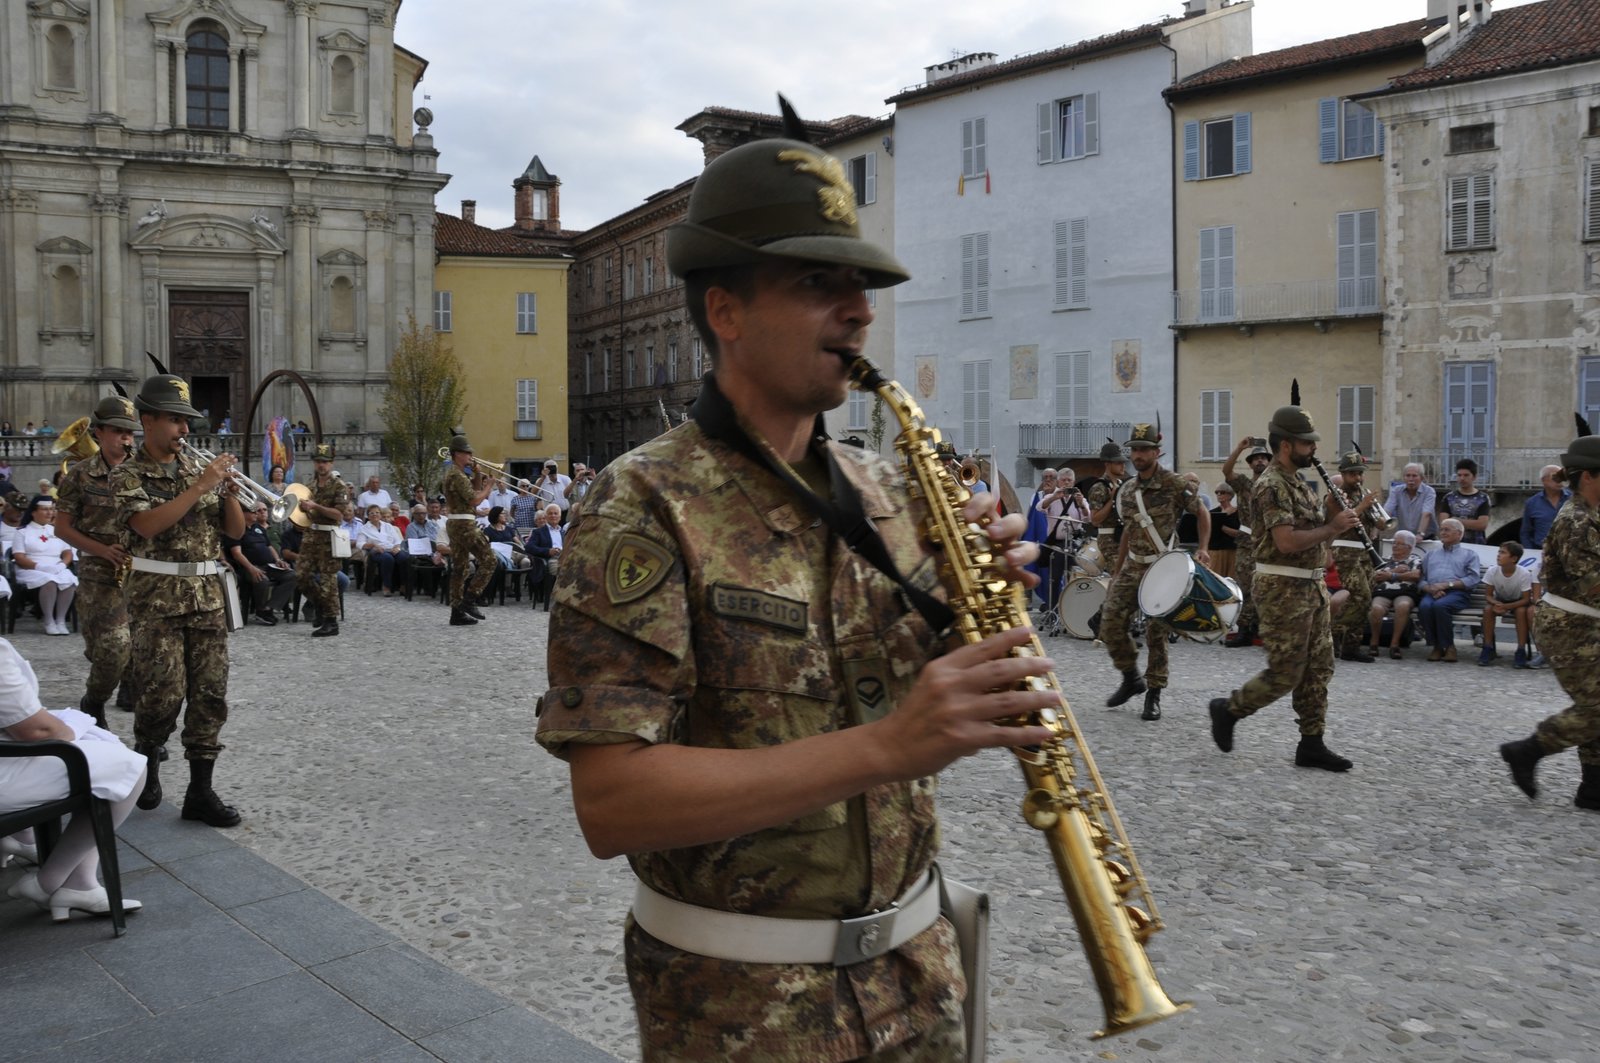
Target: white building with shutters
[1278, 220]
[1492, 244]
[1033, 207]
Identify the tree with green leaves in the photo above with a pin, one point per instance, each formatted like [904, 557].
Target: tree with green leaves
[424, 404]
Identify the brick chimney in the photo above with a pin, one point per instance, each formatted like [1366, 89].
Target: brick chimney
[469, 211]
[536, 199]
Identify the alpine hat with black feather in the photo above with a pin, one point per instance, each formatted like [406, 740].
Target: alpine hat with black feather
[1292, 420]
[1582, 453]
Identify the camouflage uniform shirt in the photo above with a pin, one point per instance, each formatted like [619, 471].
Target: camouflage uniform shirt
[699, 603]
[1571, 565]
[1166, 496]
[457, 491]
[1283, 498]
[142, 484]
[85, 495]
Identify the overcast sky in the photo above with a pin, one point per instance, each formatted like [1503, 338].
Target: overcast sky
[596, 88]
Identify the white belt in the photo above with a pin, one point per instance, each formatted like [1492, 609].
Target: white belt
[177, 568]
[325, 527]
[1286, 570]
[1567, 605]
[763, 939]
[1349, 544]
[460, 516]
[1144, 559]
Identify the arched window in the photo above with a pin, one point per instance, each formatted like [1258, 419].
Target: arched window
[206, 77]
[343, 92]
[341, 305]
[66, 298]
[61, 58]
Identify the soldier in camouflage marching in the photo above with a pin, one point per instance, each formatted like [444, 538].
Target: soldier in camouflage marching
[317, 570]
[87, 517]
[1292, 532]
[1257, 458]
[1567, 628]
[1101, 495]
[468, 544]
[175, 509]
[1148, 507]
[1351, 559]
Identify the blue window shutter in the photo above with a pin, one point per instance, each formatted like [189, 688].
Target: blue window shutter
[1241, 143]
[1091, 123]
[1191, 151]
[1328, 129]
[1380, 137]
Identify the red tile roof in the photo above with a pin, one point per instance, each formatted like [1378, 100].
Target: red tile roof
[1371, 44]
[1551, 33]
[1146, 34]
[453, 236]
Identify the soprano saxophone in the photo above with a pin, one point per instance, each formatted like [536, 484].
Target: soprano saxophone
[1066, 800]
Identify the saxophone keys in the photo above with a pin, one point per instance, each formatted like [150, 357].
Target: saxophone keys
[1041, 809]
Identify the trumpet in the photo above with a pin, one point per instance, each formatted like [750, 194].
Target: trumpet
[497, 473]
[251, 494]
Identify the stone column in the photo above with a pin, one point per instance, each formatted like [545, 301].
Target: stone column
[233, 89]
[302, 221]
[19, 225]
[108, 71]
[180, 106]
[302, 63]
[111, 208]
[252, 88]
[163, 84]
[380, 76]
[380, 240]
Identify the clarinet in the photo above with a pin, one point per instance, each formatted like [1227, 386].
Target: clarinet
[1344, 499]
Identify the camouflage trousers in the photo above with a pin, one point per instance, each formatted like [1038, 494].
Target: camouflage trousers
[317, 560]
[1295, 629]
[107, 640]
[1571, 643]
[1122, 601]
[178, 658]
[468, 541]
[1355, 573]
[1244, 572]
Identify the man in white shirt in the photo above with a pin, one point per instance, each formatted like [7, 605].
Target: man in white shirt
[551, 488]
[500, 496]
[374, 495]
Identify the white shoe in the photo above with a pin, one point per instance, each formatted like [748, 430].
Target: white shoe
[10, 847]
[27, 888]
[63, 902]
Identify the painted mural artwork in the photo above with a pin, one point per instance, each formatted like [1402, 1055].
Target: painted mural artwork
[927, 377]
[1125, 364]
[1025, 371]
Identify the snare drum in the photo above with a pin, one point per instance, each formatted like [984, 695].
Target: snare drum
[1089, 561]
[1190, 598]
[1080, 601]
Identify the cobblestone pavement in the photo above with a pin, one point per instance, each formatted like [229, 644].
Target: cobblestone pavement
[1418, 908]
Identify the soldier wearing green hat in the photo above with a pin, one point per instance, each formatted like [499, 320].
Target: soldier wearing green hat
[88, 518]
[1148, 506]
[1101, 492]
[1291, 534]
[713, 638]
[175, 510]
[317, 569]
[1567, 627]
[469, 547]
[1256, 458]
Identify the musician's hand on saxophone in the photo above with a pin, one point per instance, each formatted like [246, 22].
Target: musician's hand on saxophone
[1005, 532]
[115, 553]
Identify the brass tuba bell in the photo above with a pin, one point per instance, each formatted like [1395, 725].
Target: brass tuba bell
[77, 442]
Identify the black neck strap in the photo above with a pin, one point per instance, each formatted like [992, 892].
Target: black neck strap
[844, 515]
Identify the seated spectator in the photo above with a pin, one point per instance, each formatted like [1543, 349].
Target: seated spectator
[6, 429]
[1508, 592]
[545, 544]
[29, 429]
[69, 880]
[397, 518]
[373, 495]
[46, 429]
[382, 543]
[276, 480]
[47, 488]
[11, 508]
[1539, 512]
[421, 529]
[1448, 576]
[1468, 504]
[1394, 587]
[511, 552]
[352, 527]
[523, 509]
[1224, 544]
[1411, 503]
[419, 497]
[260, 567]
[44, 563]
[436, 521]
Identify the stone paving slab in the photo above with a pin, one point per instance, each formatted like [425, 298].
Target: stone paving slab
[1417, 909]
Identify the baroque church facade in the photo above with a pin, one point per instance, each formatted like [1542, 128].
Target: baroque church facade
[232, 185]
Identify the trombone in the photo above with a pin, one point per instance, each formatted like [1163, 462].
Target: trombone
[251, 494]
[497, 473]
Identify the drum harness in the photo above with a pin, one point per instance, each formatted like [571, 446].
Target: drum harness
[1148, 525]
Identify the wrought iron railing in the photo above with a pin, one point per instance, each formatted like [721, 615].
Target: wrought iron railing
[1498, 467]
[1069, 439]
[1291, 301]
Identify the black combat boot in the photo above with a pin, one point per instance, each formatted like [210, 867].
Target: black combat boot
[1132, 683]
[1311, 753]
[98, 711]
[125, 698]
[1355, 650]
[151, 795]
[326, 629]
[1588, 795]
[201, 801]
[1222, 724]
[460, 618]
[1152, 704]
[471, 609]
[1523, 757]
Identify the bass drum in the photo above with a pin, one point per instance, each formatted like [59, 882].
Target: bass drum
[1088, 559]
[1081, 600]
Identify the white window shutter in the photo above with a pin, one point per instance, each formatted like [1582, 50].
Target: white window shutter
[872, 177]
[1591, 200]
[966, 147]
[1482, 209]
[1208, 273]
[1063, 263]
[1191, 151]
[968, 266]
[980, 274]
[1367, 259]
[1459, 231]
[1328, 129]
[1079, 265]
[1345, 267]
[1047, 129]
[1080, 385]
[1208, 423]
[1091, 123]
[1225, 271]
[1224, 423]
[980, 154]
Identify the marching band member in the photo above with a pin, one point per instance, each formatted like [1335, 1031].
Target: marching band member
[468, 544]
[317, 570]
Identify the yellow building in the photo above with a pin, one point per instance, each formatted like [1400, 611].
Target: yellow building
[500, 302]
[1278, 221]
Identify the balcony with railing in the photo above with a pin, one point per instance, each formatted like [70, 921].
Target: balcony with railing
[1499, 468]
[1318, 302]
[1069, 439]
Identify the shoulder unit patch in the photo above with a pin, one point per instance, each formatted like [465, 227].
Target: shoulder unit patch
[634, 568]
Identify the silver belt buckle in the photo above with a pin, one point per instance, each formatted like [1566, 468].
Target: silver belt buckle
[864, 937]
[188, 568]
